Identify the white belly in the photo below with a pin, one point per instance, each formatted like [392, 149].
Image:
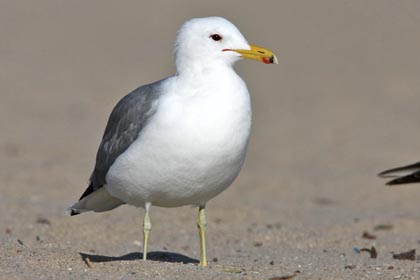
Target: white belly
[192, 150]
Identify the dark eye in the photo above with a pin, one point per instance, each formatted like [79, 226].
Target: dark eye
[216, 37]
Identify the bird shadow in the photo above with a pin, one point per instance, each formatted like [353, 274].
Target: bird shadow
[152, 256]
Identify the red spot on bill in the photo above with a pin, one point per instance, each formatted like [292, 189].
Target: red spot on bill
[266, 60]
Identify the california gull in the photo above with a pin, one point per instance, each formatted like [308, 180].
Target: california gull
[181, 140]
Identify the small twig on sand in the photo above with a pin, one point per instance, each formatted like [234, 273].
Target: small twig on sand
[88, 263]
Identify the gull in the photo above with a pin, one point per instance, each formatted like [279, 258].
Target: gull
[181, 140]
[403, 175]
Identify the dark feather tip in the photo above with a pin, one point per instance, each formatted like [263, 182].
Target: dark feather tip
[410, 179]
[74, 213]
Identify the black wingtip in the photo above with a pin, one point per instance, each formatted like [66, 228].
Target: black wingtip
[73, 213]
[381, 174]
[87, 192]
[409, 179]
[389, 173]
[396, 181]
[411, 168]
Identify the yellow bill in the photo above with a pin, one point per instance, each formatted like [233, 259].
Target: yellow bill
[257, 53]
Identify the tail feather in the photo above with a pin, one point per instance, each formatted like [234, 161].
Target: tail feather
[97, 201]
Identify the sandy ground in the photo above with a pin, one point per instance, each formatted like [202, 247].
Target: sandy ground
[342, 105]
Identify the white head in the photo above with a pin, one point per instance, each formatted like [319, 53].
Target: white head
[202, 42]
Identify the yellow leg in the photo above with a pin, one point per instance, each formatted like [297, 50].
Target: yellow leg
[202, 224]
[147, 226]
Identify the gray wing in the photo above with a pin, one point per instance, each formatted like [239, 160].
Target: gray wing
[125, 123]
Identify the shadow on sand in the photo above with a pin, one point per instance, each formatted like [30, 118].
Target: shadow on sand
[153, 256]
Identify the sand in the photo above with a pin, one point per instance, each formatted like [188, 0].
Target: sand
[341, 106]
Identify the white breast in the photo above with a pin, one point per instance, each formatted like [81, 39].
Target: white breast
[191, 150]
